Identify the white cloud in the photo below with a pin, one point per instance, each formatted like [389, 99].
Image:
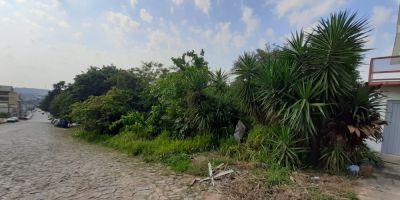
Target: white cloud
[261, 43]
[307, 17]
[250, 20]
[270, 33]
[20, 1]
[177, 2]
[370, 44]
[121, 21]
[380, 15]
[168, 41]
[225, 38]
[145, 16]
[118, 28]
[285, 6]
[133, 3]
[304, 13]
[77, 35]
[3, 3]
[203, 5]
[239, 40]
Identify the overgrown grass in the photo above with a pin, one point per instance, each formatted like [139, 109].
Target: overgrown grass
[178, 163]
[277, 175]
[317, 194]
[172, 152]
[90, 136]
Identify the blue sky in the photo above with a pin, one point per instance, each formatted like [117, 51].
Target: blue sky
[45, 41]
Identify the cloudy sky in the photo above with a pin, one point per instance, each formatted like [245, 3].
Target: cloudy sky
[45, 41]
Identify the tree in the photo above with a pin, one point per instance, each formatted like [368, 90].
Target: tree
[57, 89]
[95, 82]
[195, 60]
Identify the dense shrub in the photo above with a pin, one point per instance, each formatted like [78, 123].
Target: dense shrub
[192, 101]
[133, 122]
[97, 113]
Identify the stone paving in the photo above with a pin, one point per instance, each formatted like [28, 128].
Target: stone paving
[38, 161]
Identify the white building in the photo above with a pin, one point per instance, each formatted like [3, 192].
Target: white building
[10, 102]
[385, 71]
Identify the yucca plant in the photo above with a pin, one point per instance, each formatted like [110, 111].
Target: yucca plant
[335, 158]
[309, 86]
[246, 69]
[286, 147]
[218, 80]
[335, 49]
[274, 88]
[305, 107]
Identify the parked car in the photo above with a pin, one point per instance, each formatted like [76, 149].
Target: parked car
[62, 123]
[12, 119]
[26, 117]
[54, 121]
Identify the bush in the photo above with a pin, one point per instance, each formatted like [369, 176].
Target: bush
[335, 159]
[133, 122]
[276, 144]
[286, 148]
[258, 138]
[97, 113]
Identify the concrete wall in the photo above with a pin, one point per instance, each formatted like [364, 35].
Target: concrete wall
[392, 93]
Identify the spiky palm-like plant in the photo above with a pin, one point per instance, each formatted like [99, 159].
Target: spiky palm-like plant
[246, 69]
[219, 80]
[309, 85]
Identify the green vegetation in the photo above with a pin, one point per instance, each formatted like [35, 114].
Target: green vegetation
[4, 115]
[303, 105]
[277, 175]
[311, 86]
[316, 194]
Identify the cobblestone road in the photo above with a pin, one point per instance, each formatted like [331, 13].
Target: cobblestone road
[38, 161]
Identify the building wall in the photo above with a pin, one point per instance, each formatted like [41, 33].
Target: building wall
[392, 93]
[14, 103]
[10, 101]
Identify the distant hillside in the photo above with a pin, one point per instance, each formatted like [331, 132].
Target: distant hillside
[31, 97]
[31, 91]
